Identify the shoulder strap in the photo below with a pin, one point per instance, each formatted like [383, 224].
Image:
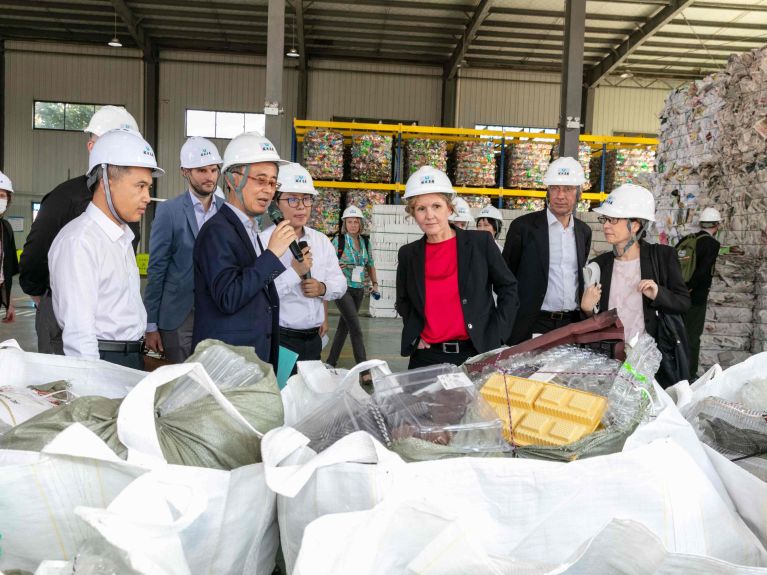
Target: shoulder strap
[341, 245]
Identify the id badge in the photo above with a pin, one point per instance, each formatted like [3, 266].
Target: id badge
[357, 274]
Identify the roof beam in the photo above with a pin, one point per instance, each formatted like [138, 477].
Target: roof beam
[717, 24]
[142, 40]
[372, 16]
[558, 14]
[716, 37]
[481, 12]
[636, 39]
[722, 6]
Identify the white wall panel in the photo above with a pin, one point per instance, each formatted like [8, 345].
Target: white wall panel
[375, 91]
[618, 109]
[228, 83]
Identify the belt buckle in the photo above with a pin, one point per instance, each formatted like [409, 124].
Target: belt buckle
[557, 315]
[446, 347]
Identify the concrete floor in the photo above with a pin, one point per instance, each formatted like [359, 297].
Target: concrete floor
[382, 336]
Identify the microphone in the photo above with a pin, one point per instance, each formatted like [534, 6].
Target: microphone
[304, 244]
[276, 216]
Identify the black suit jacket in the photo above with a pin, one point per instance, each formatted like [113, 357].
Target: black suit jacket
[672, 297]
[706, 252]
[527, 254]
[481, 272]
[8, 261]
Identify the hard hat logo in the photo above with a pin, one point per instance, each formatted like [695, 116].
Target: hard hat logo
[427, 180]
[266, 147]
[300, 179]
[148, 152]
[563, 172]
[205, 152]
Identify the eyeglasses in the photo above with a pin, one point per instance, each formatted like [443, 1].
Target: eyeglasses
[263, 181]
[294, 202]
[605, 219]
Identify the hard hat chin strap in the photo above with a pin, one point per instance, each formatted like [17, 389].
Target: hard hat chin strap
[632, 240]
[108, 194]
[229, 178]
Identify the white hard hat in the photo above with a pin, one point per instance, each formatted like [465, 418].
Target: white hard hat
[462, 211]
[6, 183]
[294, 178]
[199, 152]
[565, 172]
[123, 148]
[352, 212]
[629, 201]
[250, 148]
[109, 118]
[428, 180]
[490, 212]
[710, 215]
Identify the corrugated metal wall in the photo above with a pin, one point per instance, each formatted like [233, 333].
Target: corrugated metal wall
[228, 83]
[39, 160]
[618, 109]
[507, 98]
[387, 91]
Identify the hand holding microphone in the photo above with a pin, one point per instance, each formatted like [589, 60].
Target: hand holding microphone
[277, 219]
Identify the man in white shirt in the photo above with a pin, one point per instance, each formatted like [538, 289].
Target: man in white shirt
[304, 288]
[546, 251]
[93, 271]
[169, 292]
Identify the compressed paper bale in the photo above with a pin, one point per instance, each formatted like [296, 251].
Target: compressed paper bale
[725, 342]
[324, 154]
[735, 299]
[726, 358]
[729, 314]
[728, 329]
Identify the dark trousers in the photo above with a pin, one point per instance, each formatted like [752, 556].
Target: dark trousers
[548, 321]
[177, 343]
[694, 320]
[349, 323]
[47, 328]
[435, 355]
[133, 359]
[307, 345]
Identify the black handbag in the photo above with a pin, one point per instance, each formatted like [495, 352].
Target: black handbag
[671, 340]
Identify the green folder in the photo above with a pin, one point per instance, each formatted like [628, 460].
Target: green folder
[285, 362]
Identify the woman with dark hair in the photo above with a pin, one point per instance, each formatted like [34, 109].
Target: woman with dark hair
[489, 219]
[638, 279]
[446, 281]
[356, 260]
[9, 264]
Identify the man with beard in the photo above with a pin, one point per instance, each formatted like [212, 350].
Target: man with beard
[546, 251]
[169, 294]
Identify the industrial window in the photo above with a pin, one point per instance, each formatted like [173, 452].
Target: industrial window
[35, 210]
[69, 116]
[225, 125]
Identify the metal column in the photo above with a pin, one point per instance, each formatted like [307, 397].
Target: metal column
[275, 52]
[151, 95]
[449, 100]
[572, 78]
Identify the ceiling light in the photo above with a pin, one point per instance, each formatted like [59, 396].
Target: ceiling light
[115, 41]
[293, 53]
[627, 74]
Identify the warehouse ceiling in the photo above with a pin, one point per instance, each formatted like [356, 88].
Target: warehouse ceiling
[649, 38]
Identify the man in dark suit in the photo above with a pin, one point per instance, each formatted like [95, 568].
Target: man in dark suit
[169, 293]
[235, 300]
[546, 251]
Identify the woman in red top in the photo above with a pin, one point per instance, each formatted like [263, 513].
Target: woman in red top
[446, 280]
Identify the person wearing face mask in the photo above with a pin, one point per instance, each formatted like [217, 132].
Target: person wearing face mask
[59, 207]
[446, 281]
[94, 276]
[547, 250]
[9, 265]
[305, 287]
[638, 279]
[169, 292]
[235, 299]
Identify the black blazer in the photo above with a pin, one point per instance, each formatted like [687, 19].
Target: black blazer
[526, 252]
[673, 296]
[8, 261]
[481, 272]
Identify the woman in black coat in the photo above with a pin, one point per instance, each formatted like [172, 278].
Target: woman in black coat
[638, 279]
[9, 264]
[446, 280]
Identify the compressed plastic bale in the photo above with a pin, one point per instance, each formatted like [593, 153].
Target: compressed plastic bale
[324, 154]
[326, 211]
[475, 163]
[192, 429]
[371, 158]
[425, 152]
[366, 200]
[526, 165]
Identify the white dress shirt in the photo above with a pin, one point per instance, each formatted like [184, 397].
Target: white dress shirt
[251, 226]
[199, 210]
[562, 289]
[95, 284]
[296, 310]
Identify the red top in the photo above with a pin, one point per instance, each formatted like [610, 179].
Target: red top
[444, 314]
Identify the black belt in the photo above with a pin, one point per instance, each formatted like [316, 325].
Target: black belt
[462, 346]
[560, 315]
[300, 333]
[122, 346]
